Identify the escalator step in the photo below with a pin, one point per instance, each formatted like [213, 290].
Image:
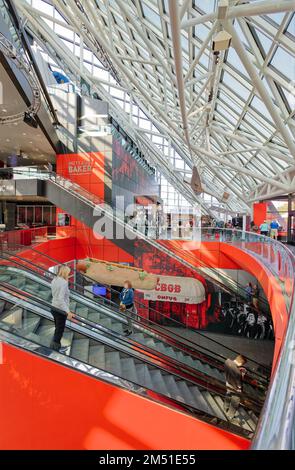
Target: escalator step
[202, 403]
[158, 382]
[80, 349]
[28, 287]
[189, 361]
[170, 352]
[173, 387]
[159, 346]
[5, 278]
[44, 294]
[139, 337]
[150, 343]
[253, 416]
[113, 362]
[117, 326]
[73, 306]
[30, 325]
[144, 376]
[45, 330]
[216, 408]
[82, 311]
[187, 395]
[97, 356]
[18, 282]
[94, 317]
[245, 420]
[106, 322]
[13, 317]
[67, 341]
[129, 369]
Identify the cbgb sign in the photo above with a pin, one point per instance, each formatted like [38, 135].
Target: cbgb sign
[171, 288]
[177, 289]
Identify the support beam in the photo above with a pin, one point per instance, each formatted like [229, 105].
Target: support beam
[243, 55]
[249, 9]
[239, 168]
[177, 51]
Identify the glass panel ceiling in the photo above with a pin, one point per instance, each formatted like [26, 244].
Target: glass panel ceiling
[229, 102]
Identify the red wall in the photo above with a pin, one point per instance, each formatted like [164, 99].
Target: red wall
[91, 170]
[95, 178]
[259, 212]
[44, 405]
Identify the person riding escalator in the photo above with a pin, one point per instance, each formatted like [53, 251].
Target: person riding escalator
[60, 306]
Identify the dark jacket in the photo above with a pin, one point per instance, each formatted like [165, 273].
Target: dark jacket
[233, 376]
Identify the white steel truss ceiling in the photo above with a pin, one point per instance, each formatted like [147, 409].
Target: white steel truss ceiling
[231, 115]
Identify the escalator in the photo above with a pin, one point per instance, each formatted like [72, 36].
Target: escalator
[187, 356]
[187, 360]
[109, 358]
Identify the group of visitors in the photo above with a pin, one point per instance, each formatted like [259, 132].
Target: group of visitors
[61, 306]
[271, 229]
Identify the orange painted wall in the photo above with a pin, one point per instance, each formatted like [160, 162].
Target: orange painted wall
[44, 405]
[92, 170]
[202, 253]
[259, 212]
[94, 177]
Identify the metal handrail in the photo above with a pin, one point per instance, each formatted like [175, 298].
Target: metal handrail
[276, 426]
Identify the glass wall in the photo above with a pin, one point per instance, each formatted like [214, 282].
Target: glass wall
[35, 216]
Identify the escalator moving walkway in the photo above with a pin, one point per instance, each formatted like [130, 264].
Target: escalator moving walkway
[34, 323]
[104, 316]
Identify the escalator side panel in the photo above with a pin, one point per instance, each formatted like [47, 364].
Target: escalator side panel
[84, 212]
[97, 415]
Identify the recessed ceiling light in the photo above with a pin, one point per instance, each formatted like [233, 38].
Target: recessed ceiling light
[24, 133]
[7, 140]
[4, 110]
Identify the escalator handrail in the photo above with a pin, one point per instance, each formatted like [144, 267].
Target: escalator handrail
[210, 384]
[189, 348]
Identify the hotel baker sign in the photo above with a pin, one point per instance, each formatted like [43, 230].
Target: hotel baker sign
[79, 167]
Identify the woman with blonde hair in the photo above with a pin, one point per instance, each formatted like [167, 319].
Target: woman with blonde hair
[60, 306]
